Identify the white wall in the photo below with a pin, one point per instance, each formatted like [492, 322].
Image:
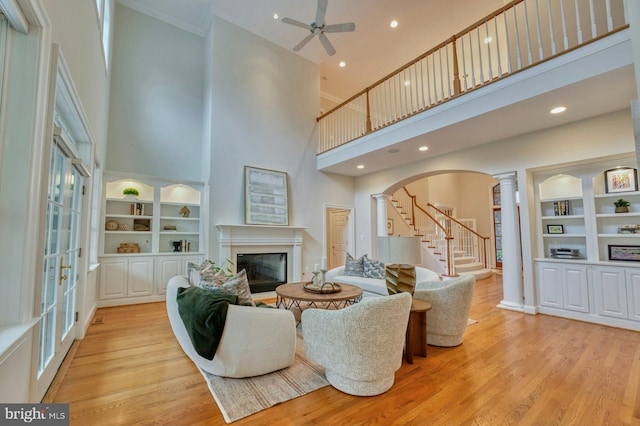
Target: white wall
[74, 26]
[157, 93]
[469, 193]
[264, 101]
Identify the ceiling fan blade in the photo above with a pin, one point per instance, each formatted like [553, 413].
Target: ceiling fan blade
[296, 23]
[322, 10]
[303, 42]
[327, 44]
[340, 28]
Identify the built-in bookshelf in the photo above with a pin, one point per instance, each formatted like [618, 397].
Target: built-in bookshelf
[148, 238]
[588, 263]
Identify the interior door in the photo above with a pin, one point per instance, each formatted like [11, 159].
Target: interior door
[338, 236]
[60, 264]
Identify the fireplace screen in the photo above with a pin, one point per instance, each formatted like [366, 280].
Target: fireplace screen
[265, 271]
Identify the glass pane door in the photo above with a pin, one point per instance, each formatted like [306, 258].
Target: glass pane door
[60, 263]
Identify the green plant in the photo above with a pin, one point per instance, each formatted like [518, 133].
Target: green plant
[130, 191]
[227, 270]
[621, 203]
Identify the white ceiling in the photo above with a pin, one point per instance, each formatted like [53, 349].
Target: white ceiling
[371, 52]
[374, 50]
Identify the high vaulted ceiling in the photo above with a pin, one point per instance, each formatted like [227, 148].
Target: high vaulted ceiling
[371, 52]
[374, 50]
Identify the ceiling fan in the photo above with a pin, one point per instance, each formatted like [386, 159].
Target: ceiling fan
[318, 27]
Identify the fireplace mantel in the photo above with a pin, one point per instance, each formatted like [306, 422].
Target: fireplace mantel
[235, 239]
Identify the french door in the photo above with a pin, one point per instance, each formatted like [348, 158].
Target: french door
[60, 263]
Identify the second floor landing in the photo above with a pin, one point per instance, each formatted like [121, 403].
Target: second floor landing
[592, 80]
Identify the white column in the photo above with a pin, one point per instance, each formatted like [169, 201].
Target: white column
[512, 284]
[381, 204]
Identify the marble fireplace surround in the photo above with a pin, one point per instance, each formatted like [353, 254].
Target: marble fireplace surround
[243, 239]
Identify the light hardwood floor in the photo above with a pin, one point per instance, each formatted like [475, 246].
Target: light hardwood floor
[511, 369]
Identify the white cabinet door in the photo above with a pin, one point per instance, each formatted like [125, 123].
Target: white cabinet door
[170, 266]
[550, 285]
[140, 276]
[633, 293]
[167, 267]
[190, 259]
[113, 278]
[575, 288]
[610, 292]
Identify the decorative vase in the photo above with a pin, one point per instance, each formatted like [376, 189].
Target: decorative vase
[130, 197]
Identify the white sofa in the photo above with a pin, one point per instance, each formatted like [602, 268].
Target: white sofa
[373, 287]
[255, 341]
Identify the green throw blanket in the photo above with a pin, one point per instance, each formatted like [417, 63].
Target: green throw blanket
[204, 313]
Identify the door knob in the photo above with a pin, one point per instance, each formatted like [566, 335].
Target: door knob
[62, 268]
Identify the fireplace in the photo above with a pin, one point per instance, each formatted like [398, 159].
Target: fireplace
[265, 271]
[237, 240]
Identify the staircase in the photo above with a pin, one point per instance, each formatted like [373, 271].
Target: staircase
[450, 247]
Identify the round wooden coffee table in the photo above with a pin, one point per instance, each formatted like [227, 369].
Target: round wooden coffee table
[293, 295]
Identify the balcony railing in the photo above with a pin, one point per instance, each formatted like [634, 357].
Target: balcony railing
[522, 34]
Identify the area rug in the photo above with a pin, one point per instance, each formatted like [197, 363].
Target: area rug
[239, 398]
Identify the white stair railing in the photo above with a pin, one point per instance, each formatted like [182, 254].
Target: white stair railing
[519, 35]
[425, 225]
[465, 237]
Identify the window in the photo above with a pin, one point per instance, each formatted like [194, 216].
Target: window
[99, 7]
[105, 21]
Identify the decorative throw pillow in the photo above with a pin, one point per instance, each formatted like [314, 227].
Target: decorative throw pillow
[196, 274]
[373, 269]
[237, 285]
[354, 267]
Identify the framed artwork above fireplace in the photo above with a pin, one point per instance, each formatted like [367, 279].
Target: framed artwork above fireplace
[265, 197]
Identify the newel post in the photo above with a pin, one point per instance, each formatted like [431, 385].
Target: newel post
[456, 73]
[368, 124]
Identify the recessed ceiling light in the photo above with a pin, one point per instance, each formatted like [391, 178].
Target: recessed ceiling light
[423, 148]
[488, 40]
[393, 24]
[558, 110]
[342, 64]
[360, 166]
[275, 16]
[407, 83]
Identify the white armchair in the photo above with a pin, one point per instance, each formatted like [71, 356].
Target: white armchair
[360, 346]
[254, 341]
[450, 306]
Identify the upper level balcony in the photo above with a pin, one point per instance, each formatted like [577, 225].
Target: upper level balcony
[495, 79]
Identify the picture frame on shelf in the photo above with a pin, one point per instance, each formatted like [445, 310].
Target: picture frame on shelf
[390, 227]
[266, 197]
[624, 253]
[622, 179]
[555, 229]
